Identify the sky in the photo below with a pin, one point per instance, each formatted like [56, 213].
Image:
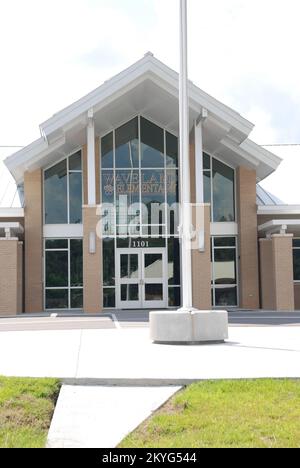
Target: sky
[244, 53]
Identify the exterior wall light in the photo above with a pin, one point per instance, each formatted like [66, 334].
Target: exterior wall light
[92, 243]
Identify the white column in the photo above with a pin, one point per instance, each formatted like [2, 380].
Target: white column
[187, 293]
[199, 185]
[91, 166]
[199, 163]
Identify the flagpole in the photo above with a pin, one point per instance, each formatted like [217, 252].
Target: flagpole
[186, 254]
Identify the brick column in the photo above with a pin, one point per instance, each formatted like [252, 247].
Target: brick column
[11, 274]
[33, 242]
[201, 269]
[277, 275]
[92, 263]
[248, 243]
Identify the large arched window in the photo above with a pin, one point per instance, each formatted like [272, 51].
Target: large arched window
[219, 189]
[63, 191]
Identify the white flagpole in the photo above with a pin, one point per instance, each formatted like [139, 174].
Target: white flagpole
[187, 297]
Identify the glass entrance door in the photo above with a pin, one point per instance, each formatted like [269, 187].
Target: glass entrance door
[141, 279]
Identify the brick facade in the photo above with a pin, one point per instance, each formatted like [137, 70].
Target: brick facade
[11, 287]
[276, 273]
[248, 244]
[92, 263]
[33, 242]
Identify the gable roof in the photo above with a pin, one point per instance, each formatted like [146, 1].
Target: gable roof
[152, 88]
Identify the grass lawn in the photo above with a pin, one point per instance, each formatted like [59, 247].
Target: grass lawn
[224, 414]
[26, 409]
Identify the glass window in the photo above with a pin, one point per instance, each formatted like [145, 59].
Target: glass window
[174, 262]
[108, 262]
[296, 264]
[153, 266]
[109, 298]
[108, 187]
[56, 269]
[75, 163]
[172, 187]
[206, 161]
[152, 145]
[56, 194]
[129, 292]
[139, 168]
[207, 187]
[127, 145]
[129, 266]
[174, 297]
[76, 299]
[219, 189]
[224, 271]
[225, 241]
[296, 243]
[226, 297]
[171, 150]
[56, 244]
[63, 184]
[75, 190]
[57, 299]
[76, 259]
[64, 274]
[153, 191]
[154, 292]
[224, 266]
[107, 153]
[223, 193]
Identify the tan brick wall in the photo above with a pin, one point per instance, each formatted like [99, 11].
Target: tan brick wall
[20, 274]
[297, 295]
[267, 274]
[283, 272]
[33, 242]
[10, 277]
[201, 270]
[201, 261]
[276, 273]
[248, 244]
[92, 264]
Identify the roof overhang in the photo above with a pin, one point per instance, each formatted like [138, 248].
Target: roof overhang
[149, 88]
[280, 226]
[278, 210]
[6, 213]
[10, 230]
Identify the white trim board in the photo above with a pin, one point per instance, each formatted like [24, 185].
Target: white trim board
[11, 213]
[224, 229]
[62, 231]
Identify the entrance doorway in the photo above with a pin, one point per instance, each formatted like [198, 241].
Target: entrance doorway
[141, 278]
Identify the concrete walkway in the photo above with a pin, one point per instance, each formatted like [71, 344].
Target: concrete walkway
[127, 357]
[100, 417]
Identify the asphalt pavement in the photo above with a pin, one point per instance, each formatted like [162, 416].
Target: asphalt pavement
[134, 319]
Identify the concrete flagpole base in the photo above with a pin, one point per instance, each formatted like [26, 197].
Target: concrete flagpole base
[188, 326]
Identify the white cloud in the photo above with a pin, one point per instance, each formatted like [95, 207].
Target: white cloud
[263, 132]
[284, 183]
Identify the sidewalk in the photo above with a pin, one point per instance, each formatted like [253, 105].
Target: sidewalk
[127, 357]
[100, 417]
